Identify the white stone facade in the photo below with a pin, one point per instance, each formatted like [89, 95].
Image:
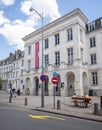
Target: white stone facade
[66, 51]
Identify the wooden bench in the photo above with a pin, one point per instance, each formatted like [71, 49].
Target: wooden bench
[81, 101]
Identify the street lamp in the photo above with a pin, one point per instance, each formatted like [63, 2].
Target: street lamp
[42, 92]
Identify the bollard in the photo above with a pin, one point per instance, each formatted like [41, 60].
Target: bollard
[58, 104]
[25, 101]
[10, 99]
[95, 108]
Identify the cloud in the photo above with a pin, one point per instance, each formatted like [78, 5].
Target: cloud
[48, 7]
[15, 30]
[3, 20]
[7, 2]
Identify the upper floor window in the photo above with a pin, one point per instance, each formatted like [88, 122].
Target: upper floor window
[70, 55]
[81, 35]
[22, 63]
[57, 58]
[29, 65]
[46, 43]
[46, 60]
[57, 40]
[94, 78]
[29, 50]
[70, 34]
[93, 59]
[92, 42]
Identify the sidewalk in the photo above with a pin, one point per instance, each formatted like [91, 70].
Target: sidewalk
[66, 106]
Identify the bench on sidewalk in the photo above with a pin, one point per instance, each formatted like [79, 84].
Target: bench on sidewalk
[81, 101]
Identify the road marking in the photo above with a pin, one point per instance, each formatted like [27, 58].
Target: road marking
[14, 108]
[45, 117]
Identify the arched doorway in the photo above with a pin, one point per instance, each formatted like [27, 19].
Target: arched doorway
[46, 86]
[85, 83]
[36, 85]
[70, 83]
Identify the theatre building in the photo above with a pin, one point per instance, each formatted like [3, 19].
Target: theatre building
[72, 48]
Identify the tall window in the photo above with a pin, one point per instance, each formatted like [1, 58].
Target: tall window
[22, 63]
[82, 54]
[29, 65]
[92, 42]
[57, 40]
[81, 35]
[46, 60]
[93, 59]
[70, 55]
[46, 43]
[29, 50]
[57, 58]
[94, 78]
[70, 34]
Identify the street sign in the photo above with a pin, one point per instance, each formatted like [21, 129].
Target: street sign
[54, 74]
[43, 78]
[54, 80]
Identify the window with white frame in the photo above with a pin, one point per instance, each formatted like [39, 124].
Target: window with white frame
[22, 63]
[46, 43]
[46, 60]
[82, 54]
[69, 34]
[93, 59]
[92, 42]
[94, 78]
[70, 55]
[29, 65]
[81, 35]
[57, 39]
[29, 50]
[57, 58]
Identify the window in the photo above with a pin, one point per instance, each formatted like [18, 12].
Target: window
[92, 42]
[21, 72]
[29, 65]
[93, 58]
[57, 58]
[46, 60]
[81, 35]
[70, 55]
[29, 50]
[57, 40]
[70, 34]
[94, 78]
[82, 54]
[46, 43]
[22, 63]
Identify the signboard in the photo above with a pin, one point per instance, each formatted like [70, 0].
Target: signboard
[54, 74]
[43, 78]
[54, 80]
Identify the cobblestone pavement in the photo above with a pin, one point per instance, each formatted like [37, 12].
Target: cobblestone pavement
[66, 106]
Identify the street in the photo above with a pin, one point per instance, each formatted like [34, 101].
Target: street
[23, 119]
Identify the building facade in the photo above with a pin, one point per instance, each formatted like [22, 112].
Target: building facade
[71, 48]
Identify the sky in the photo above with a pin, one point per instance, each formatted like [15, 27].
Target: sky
[16, 21]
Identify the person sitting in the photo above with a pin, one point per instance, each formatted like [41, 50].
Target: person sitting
[74, 95]
[87, 97]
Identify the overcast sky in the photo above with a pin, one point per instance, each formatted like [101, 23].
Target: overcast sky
[16, 21]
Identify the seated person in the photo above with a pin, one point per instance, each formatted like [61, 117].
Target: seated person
[86, 96]
[74, 95]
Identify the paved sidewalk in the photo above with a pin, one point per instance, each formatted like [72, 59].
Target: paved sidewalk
[66, 106]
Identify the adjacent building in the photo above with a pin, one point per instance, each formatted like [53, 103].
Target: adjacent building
[71, 48]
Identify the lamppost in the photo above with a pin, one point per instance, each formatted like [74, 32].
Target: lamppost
[42, 92]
